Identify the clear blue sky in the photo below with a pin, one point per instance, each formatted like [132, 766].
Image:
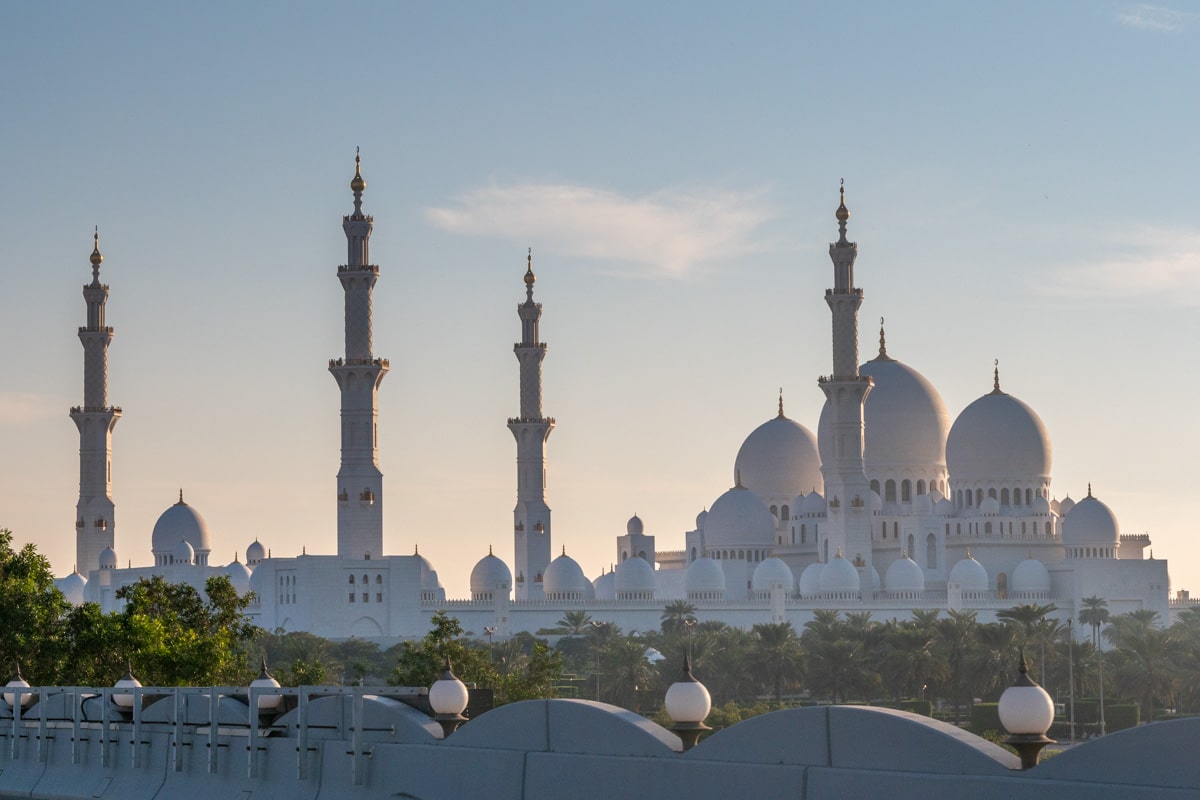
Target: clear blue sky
[1021, 176]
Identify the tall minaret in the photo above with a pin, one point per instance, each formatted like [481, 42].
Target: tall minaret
[95, 528]
[358, 375]
[847, 491]
[531, 517]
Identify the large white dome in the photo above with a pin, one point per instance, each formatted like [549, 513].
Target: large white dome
[181, 521]
[72, 587]
[605, 587]
[704, 575]
[1030, 577]
[490, 575]
[239, 576]
[810, 579]
[970, 575]
[839, 576]
[1090, 523]
[998, 438]
[635, 577]
[564, 577]
[738, 518]
[779, 460]
[771, 571]
[904, 576]
[906, 421]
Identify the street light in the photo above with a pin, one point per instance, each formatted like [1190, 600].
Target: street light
[448, 698]
[596, 626]
[1071, 670]
[267, 701]
[18, 683]
[1026, 712]
[688, 703]
[489, 632]
[125, 699]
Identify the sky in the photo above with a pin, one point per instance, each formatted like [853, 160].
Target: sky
[1021, 178]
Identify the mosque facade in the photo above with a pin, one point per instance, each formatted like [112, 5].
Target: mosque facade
[891, 506]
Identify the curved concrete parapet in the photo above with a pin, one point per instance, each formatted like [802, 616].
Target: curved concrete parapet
[567, 726]
[383, 718]
[1159, 755]
[856, 737]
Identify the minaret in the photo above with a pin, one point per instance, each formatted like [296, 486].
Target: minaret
[531, 517]
[847, 491]
[358, 375]
[95, 528]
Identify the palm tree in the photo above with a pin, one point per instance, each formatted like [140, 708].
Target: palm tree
[1094, 613]
[777, 653]
[574, 623]
[677, 616]
[958, 644]
[1030, 618]
[912, 660]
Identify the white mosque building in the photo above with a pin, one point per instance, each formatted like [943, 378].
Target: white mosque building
[890, 507]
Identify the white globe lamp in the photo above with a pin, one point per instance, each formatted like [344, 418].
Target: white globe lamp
[688, 703]
[448, 698]
[1026, 712]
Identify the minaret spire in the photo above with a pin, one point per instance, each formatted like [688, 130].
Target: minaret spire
[780, 401]
[883, 356]
[358, 375]
[996, 377]
[531, 516]
[846, 485]
[95, 527]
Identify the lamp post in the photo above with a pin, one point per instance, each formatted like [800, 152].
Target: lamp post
[1100, 655]
[688, 703]
[489, 632]
[1071, 671]
[125, 699]
[596, 626]
[267, 701]
[1026, 712]
[18, 683]
[448, 698]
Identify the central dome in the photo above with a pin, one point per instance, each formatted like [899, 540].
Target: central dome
[181, 521]
[906, 421]
[998, 438]
[779, 461]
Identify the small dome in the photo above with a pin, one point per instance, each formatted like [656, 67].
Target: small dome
[998, 438]
[779, 460]
[564, 577]
[1090, 523]
[1065, 506]
[904, 575]
[738, 518]
[255, 553]
[635, 576]
[239, 576]
[923, 505]
[357, 184]
[771, 571]
[108, 558]
[990, 507]
[814, 503]
[970, 575]
[183, 553]
[1041, 506]
[180, 521]
[839, 576]
[605, 587]
[944, 508]
[705, 575]
[72, 587]
[490, 575]
[429, 576]
[1030, 577]
[810, 580]
[634, 526]
[701, 518]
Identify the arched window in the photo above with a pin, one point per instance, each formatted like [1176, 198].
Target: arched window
[875, 487]
[889, 491]
[1004, 497]
[906, 491]
[1016, 497]
[351, 580]
[825, 547]
[958, 498]
[1028, 497]
[895, 530]
[693, 554]
[378, 579]
[774, 511]
[1002, 586]
[883, 530]
[992, 493]
[987, 528]
[803, 534]
[958, 529]
[931, 551]
[920, 487]
[911, 546]
[1023, 531]
[979, 497]
[785, 513]
[1048, 529]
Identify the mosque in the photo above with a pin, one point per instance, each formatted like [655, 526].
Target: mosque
[891, 506]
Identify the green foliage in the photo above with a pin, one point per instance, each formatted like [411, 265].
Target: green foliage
[1119, 717]
[31, 610]
[985, 717]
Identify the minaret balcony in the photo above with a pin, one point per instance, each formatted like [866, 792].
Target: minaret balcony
[529, 345]
[844, 379]
[358, 362]
[105, 330]
[95, 409]
[530, 420]
[358, 268]
[852, 290]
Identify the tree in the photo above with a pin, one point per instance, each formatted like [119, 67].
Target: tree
[677, 616]
[1095, 614]
[574, 623]
[31, 612]
[1030, 620]
[777, 655]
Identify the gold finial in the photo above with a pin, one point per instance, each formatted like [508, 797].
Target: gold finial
[969, 558]
[737, 479]
[564, 552]
[96, 257]
[882, 340]
[529, 276]
[416, 550]
[996, 377]
[843, 213]
[489, 549]
[181, 503]
[903, 553]
[1089, 488]
[357, 184]
[838, 554]
[781, 401]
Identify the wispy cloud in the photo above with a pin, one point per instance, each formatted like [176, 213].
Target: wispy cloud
[1157, 19]
[673, 233]
[1145, 261]
[20, 408]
